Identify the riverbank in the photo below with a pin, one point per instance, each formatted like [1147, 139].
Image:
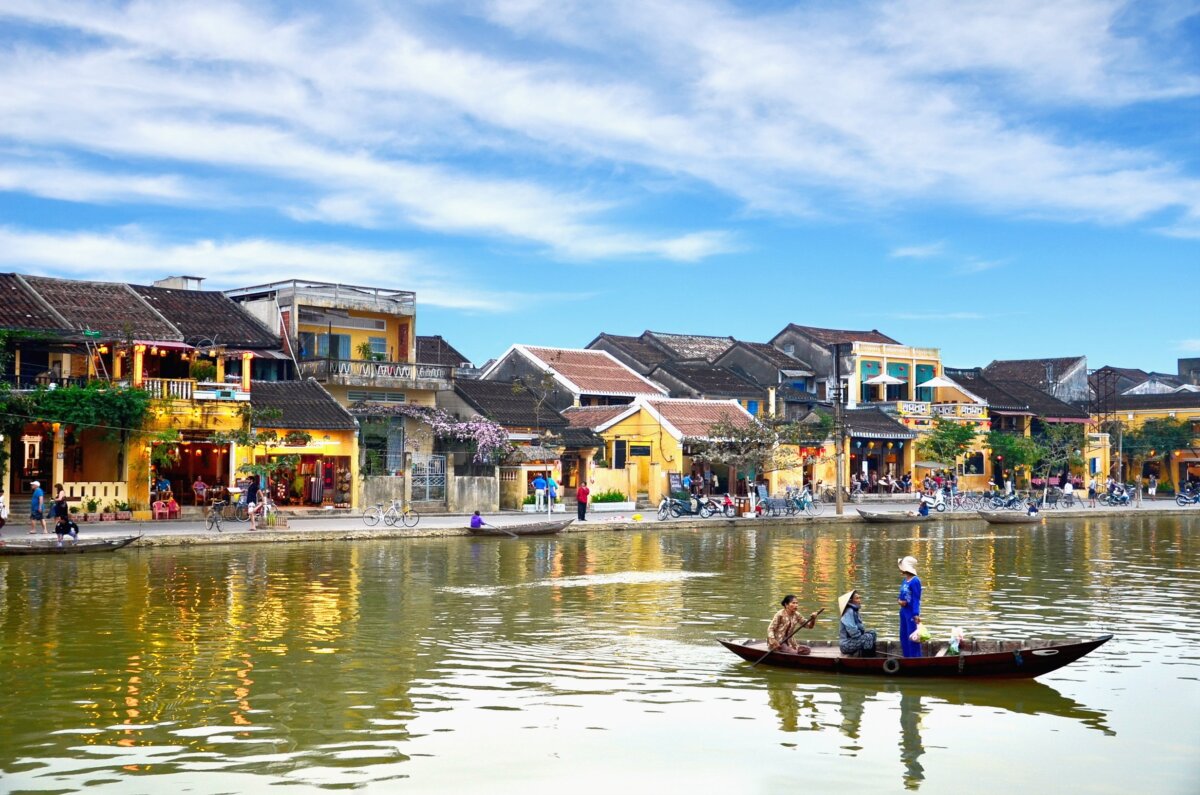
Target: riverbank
[351, 528]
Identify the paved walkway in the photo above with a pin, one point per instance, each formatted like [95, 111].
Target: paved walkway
[351, 527]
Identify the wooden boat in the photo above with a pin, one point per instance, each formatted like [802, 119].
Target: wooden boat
[882, 517]
[77, 548]
[533, 529]
[1010, 517]
[998, 659]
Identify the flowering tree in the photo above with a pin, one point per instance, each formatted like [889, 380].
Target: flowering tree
[487, 440]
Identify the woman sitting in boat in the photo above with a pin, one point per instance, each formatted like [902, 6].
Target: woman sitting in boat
[853, 639]
[786, 624]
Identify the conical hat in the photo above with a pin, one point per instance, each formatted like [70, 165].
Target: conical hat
[844, 600]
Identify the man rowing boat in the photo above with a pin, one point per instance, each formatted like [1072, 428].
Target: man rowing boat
[786, 624]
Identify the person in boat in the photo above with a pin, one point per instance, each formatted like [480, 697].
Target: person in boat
[910, 606]
[786, 623]
[1032, 507]
[477, 521]
[65, 526]
[854, 640]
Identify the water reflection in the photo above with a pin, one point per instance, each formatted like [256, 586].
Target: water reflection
[806, 706]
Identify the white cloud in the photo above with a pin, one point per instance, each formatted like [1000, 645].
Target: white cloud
[130, 254]
[1189, 346]
[918, 252]
[975, 265]
[382, 116]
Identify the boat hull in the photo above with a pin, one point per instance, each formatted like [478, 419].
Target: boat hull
[1009, 517]
[993, 659]
[535, 529]
[892, 517]
[79, 548]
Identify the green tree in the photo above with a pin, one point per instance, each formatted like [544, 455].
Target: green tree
[1013, 450]
[1155, 440]
[760, 445]
[947, 441]
[1059, 447]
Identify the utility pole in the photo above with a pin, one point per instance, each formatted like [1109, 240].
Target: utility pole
[839, 426]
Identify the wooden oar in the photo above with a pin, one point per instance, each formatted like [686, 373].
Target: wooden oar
[501, 529]
[812, 618]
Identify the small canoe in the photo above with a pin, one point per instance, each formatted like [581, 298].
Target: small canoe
[534, 529]
[77, 548]
[998, 659]
[1010, 517]
[883, 517]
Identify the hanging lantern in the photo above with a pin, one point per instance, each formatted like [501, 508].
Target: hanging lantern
[153, 349]
[889, 445]
[858, 444]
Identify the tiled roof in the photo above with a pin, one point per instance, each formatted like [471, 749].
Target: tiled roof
[110, 308]
[973, 380]
[305, 405]
[20, 308]
[1032, 371]
[706, 379]
[691, 346]
[1172, 400]
[776, 357]
[695, 418]
[636, 348]
[435, 350]
[208, 317]
[579, 437]
[593, 372]
[498, 401]
[832, 336]
[591, 416]
[1041, 404]
[874, 424]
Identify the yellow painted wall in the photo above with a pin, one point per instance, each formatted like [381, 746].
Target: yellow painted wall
[666, 453]
[358, 336]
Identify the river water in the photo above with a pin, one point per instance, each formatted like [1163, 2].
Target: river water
[589, 662]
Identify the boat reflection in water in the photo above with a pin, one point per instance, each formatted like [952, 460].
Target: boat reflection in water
[806, 706]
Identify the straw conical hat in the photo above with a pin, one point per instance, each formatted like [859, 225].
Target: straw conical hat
[844, 600]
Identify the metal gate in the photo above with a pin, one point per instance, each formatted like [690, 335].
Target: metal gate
[428, 478]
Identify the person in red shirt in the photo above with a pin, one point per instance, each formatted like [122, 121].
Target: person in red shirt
[581, 497]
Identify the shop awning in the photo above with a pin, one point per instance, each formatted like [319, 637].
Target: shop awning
[169, 345]
[1008, 413]
[931, 465]
[884, 378]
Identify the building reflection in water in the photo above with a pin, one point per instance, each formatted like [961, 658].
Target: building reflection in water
[800, 706]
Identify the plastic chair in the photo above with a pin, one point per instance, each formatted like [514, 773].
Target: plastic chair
[160, 510]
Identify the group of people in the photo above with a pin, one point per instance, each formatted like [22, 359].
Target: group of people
[544, 489]
[59, 510]
[854, 639]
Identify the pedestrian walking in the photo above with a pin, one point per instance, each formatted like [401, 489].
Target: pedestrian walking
[37, 508]
[1153, 487]
[1092, 492]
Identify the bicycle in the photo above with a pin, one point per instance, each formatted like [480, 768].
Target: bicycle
[395, 512]
[213, 517]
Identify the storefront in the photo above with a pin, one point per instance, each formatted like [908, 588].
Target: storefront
[318, 474]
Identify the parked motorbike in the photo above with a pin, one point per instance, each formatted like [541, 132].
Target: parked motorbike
[711, 508]
[675, 507]
[1115, 499]
[1011, 502]
[935, 501]
[1188, 497]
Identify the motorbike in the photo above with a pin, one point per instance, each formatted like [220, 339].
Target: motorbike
[935, 501]
[1012, 502]
[711, 508]
[675, 507]
[1116, 498]
[1188, 498]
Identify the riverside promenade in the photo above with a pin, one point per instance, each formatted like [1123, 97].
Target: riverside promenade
[350, 527]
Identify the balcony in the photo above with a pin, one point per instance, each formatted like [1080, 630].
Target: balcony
[393, 375]
[901, 408]
[961, 411]
[188, 389]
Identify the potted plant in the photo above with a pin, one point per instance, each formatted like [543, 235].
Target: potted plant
[109, 513]
[611, 501]
[91, 509]
[123, 510]
[203, 371]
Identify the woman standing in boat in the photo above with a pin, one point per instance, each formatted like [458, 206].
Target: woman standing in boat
[853, 639]
[787, 623]
[910, 606]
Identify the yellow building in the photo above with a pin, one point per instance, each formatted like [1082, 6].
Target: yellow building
[1129, 412]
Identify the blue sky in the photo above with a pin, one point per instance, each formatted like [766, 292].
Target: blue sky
[1000, 180]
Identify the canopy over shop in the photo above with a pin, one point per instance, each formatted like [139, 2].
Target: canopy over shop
[878, 444]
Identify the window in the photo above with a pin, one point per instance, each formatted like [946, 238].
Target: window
[752, 407]
[378, 345]
[619, 449]
[314, 345]
[972, 464]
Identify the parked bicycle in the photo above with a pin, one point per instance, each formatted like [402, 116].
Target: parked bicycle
[395, 512]
[213, 517]
[802, 501]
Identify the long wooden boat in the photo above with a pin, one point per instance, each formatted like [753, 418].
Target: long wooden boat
[533, 529]
[1009, 517]
[77, 548]
[998, 659]
[893, 517]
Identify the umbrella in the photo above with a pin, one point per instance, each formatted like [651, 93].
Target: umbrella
[884, 378]
[938, 381]
[930, 465]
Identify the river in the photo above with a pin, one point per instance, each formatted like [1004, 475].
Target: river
[588, 662]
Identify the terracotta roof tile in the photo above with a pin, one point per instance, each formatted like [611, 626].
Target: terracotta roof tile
[692, 346]
[305, 405]
[113, 309]
[21, 309]
[833, 336]
[594, 372]
[497, 401]
[591, 416]
[636, 348]
[208, 317]
[874, 424]
[695, 418]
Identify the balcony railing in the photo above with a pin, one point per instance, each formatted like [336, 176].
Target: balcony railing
[189, 389]
[962, 411]
[352, 372]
